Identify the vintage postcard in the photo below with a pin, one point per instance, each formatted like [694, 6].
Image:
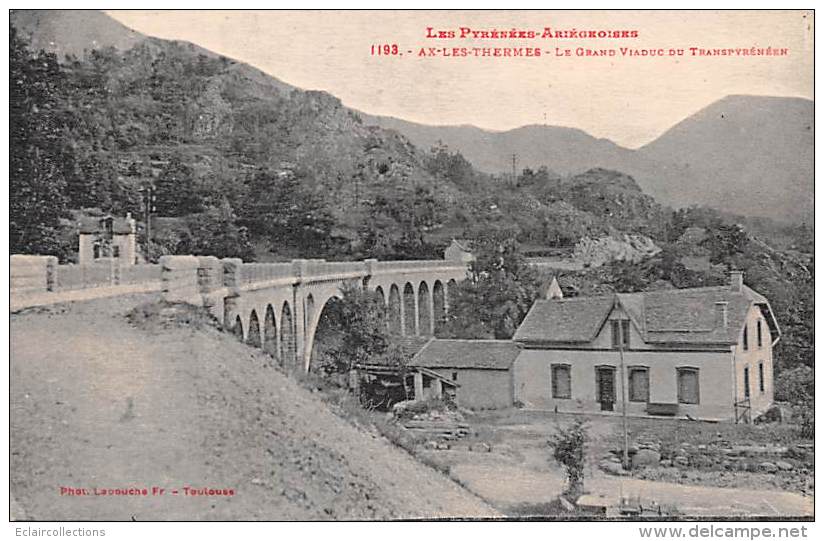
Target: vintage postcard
[412, 265]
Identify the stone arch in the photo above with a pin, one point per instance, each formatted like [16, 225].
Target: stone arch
[410, 315]
[309, 310]
[438, 304]
[253, 334]
[321, 333]
[381, 294]
[394, 310]
[424, 309]
[287, 337]
[270, 333]
[237, 328]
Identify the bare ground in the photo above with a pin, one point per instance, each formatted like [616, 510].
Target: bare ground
[100, 403]
[519, 472]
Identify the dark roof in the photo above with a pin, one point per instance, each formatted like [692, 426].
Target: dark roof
[410, 345]
[92, 225]
[488, 354]
[576, 319]
[673, 316]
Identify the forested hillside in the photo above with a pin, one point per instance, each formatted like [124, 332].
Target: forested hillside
[245, 165]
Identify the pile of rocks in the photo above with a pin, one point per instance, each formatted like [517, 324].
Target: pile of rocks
[717, 455]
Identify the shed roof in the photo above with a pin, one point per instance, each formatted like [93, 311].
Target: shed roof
[673, 316]
[484, 354]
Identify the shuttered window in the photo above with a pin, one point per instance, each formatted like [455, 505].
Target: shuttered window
[620, 333]
[638, 384]
[561, 381]
[760, 337]
[688, 392]
[761, 377]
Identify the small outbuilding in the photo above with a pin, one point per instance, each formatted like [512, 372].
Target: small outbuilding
[459, 250]
[107, 238]
[482, 369]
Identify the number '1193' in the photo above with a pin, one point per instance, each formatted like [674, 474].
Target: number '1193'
[385, 50]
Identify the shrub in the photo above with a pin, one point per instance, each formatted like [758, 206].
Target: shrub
[568, 445]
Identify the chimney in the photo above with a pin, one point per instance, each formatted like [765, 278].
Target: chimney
[736, 281]
[721, 319]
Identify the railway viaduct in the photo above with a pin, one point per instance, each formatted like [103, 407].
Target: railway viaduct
[278, 306]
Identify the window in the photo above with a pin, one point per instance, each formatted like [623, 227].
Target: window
[115, 251]
[454, 376]
[638, 384]
[761, 376]
[746, 338]
[746, 382]
[97, 251]
[620, 333]
[760, 338]
[688, 392]
[561, 381]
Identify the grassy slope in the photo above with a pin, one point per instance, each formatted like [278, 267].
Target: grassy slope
[100, 402]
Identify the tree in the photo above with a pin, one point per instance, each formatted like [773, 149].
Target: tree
[176, 191]
[283, 206]
[216, 232]
[352, 330]
[499, 292]
[396, 224]
[37, 183]
[568, 449]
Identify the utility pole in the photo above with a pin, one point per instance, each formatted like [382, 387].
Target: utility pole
[149, 206]
[514, 162]
[623, 385]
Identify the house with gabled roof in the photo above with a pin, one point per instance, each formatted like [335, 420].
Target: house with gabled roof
[701, 353]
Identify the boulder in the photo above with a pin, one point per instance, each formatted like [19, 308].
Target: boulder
[768, 467]
[784, 466]
[646, 457]
[612, 467]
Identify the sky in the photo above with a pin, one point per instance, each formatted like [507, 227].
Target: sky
[628, 99]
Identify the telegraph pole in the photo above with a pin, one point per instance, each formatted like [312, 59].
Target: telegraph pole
[623, 387]
[149, 201]
[514, 162]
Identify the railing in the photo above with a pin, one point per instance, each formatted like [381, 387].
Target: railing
[42, 274]
[743, 411]
[390, 266]
[84, 276]
[69, 277]
[251, 273]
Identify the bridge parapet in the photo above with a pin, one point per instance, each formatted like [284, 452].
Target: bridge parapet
[264, 272]
[179, 278]
[394, 267]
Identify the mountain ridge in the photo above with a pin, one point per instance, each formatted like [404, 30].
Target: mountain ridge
[764, 170]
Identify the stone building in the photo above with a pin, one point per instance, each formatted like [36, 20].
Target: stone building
[459, 250]
[105, 238]
[704, 353]
[482, 369]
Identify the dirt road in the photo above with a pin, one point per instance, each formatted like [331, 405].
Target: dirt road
[98, 404]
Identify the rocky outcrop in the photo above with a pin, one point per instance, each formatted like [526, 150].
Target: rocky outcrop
[632, 248]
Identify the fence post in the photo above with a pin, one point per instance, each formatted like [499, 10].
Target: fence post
[51, 273]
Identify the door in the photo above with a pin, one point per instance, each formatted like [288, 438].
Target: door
[605, 387]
